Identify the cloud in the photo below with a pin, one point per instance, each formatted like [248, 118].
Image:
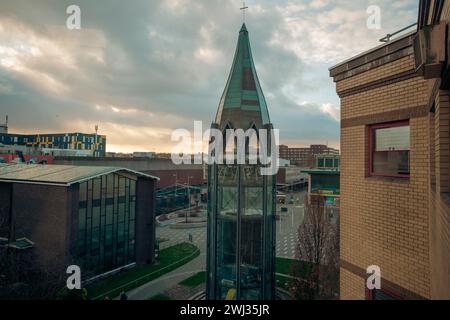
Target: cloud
[144, 68]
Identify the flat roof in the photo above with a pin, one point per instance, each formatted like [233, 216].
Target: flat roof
[364, 53]
[59, 175]
[322, 171]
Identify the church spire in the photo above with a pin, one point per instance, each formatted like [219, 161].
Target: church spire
[243, 104]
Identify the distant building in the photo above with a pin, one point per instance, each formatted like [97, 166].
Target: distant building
[291, 179]
[317, 149]
[284, 163]
[329, 161]
[304, 157]
[100, 218]
[118, 155]
[4, 126]
[76, 144]
[144, 154]
[25, 158]
[168, 172]
[324, 180]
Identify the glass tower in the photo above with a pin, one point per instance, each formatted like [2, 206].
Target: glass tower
[241, 201]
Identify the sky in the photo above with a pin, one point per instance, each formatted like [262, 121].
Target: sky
[143, 68]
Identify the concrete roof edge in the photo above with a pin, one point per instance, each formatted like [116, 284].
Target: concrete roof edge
[372, 50]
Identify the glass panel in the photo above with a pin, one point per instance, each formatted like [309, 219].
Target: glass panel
[82, 191]
[336, 163]
[227, 231]
[132, 188]
[390, 139]
[320, 163]
[269, 238]
[226, 257]
[95, 238]
[396, 162]
[251, 234]
[96, 188]
[96, 217]
[106, 236]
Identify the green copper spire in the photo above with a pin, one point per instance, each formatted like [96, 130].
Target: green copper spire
[243, 103]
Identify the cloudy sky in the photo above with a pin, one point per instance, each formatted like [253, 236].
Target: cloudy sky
[141, 68]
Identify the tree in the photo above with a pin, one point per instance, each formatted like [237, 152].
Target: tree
[21, 278]
[318, 252]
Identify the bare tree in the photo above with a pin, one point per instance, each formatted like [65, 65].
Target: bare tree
[22, 278]
[317, 274]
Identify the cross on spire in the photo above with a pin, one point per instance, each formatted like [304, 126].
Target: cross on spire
[244, 7]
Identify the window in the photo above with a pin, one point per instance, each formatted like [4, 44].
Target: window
[321, 163]
[382, 294]
[106, 225]
[389, 149]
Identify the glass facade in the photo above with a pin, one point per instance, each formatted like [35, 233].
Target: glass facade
[240, 233]
[106, 223]
[241, 201]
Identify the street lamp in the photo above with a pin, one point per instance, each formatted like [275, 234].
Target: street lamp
[176, 183]
[189, 197]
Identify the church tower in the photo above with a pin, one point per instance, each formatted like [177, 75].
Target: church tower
[241, 200]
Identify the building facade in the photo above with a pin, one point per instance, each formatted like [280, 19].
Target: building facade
[65, 144]
[241, 201]
[100, 218]
[304, 157]
[328, 161]
[395, 163]
[324, 181]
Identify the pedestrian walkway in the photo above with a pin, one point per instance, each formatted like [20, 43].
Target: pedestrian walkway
[168, 280]
[287, 238]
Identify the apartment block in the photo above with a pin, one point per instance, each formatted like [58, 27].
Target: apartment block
[304, 157]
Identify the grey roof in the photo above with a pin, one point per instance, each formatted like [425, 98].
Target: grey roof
[62, 175]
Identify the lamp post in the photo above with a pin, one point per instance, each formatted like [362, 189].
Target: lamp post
[176, 183]
[189, 198]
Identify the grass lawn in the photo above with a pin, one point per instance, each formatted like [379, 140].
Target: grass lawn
[285, 266]
[160, 297]
[195, 280]
[284, 282]
[169, 260]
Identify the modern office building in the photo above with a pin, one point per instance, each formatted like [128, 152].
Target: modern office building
[64, 144]
[241, 201]
[395, 164]
[100, 218]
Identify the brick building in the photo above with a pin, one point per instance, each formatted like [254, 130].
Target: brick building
[304, 157]
[100, 218]
[395, 163]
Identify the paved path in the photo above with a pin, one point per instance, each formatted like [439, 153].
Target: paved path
[174, 277]
[286, 233]
[168, 280]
